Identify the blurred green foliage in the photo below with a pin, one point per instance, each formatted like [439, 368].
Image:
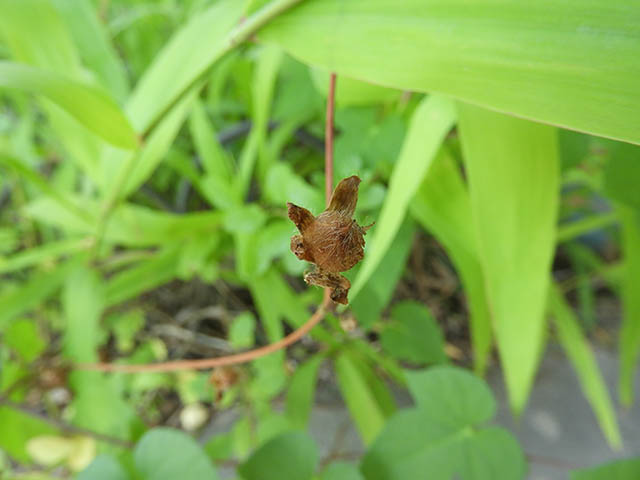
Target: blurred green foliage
[147, 152]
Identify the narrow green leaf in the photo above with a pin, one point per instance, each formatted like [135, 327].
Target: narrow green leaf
[291, 455]
[576, 345]
[36, 290]
[88, 104]
[430, 123]
[263, 86]
[363, 405]
[378, 291]
[215, 160]
[442, 206]
[301, 391]
[42, 254]
[90, 37]
[83, 301]
[164, 453]
[513, 173]
[628, 469]
[630, 330]
[142, 277]
[521, 58]
[413, 335]
[171, 74]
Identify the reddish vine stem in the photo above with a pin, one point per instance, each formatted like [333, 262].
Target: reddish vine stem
[243, 357]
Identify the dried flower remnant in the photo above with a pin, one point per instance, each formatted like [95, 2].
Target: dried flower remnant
[333, 240]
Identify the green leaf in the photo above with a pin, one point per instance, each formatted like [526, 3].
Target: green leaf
[31, 294]
[90, 36]
[164, 453]
[364, 407]
[350, 92]
[521, 58]
[622, 174]
[442, 206]
[430, 123]
[575, 344]
[83, 301]
[262, 88]
[142, 277]
[513, 173]
[292, 456]
[302, 390]
[88, 104]
[17, 429]
[241, 330]
[171, 73]
[630, 330]
[439, 438]
[23, 337]
[215, 160]
[42, 254]
[103, 467]
[341, 471]
[628, 469]
[377, 292]
[413, 335]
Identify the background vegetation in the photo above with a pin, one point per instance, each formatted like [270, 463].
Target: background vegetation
[147, 150]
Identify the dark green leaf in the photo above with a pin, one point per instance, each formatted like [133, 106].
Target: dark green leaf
[164, 453]
[292, 456]
[413, 335]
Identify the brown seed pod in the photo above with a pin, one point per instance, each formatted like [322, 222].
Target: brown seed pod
[333, 240]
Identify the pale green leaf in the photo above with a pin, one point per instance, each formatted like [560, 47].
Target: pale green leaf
[301, 391]
[513, 174]
[88, 104]
[364, 407]
[630, 330]
[430, 123]
[576, 345]
[442, 206]
[573, 63]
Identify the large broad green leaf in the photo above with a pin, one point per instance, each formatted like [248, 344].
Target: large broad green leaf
[442, 206]
[630, 331]
[291, 455]
[165, 453]
[103, 467]
[430, 123]
[577, 347]
[513, 174]
[573, 63]
[88, 104]
[341, 471]
[628, 469]
[439, 437]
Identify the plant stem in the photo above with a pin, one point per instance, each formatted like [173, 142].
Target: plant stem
[328, 142]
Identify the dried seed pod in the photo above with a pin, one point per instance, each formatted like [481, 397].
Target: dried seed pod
[333, 240]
